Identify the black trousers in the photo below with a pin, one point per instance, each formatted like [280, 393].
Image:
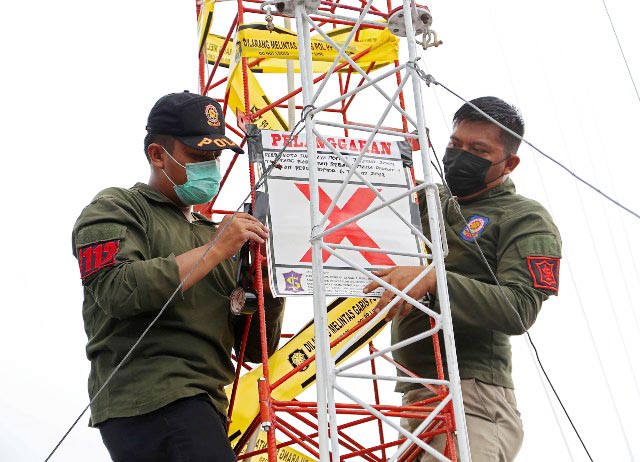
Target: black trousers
[187, 430]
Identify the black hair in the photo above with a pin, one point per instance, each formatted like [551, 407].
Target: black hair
[165, 140]
[503, 112]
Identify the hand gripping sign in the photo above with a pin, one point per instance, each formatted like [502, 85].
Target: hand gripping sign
[381, 236]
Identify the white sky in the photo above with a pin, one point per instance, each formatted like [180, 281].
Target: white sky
[79, 79]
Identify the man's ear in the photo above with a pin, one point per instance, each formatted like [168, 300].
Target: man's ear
[156, 156]
[511, 163]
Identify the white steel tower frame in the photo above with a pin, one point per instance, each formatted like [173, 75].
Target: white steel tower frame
[327, 371]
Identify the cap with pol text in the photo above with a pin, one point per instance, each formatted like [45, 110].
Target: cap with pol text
[193, 119]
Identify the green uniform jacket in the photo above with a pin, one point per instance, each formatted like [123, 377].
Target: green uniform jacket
[126, 242]
[522, 245]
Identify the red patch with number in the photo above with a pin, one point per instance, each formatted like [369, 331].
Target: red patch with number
[92, 258]
[545, 272]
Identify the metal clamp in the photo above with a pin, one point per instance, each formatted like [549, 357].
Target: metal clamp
[429, 39]
[266, 5]
[287, 7]
[420, 18]
[268, 17]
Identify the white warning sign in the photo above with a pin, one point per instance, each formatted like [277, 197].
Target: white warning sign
[380, 238]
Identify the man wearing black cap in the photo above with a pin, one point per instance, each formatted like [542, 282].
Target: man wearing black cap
[134, 247]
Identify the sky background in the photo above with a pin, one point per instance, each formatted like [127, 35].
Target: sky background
[79, 79]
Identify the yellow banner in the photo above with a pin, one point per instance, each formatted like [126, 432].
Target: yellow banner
[255, 41]
[286, 454]
[274, 48]
[342, 315]
[270, 120]
[204, 23]
[257, 97]
[214, 45]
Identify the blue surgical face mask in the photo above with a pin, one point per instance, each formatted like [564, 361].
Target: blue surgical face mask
[203, 181]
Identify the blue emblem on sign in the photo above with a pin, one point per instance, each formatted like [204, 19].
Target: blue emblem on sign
[293, 282]
[474, 228]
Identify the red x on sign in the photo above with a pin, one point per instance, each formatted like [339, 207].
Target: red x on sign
[356, 204]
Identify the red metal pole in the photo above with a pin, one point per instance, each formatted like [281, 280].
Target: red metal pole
[221, 53]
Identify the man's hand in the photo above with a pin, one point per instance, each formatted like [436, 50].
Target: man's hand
[400, 277]
[242, 228]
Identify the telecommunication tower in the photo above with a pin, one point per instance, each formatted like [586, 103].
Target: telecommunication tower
[351, 68]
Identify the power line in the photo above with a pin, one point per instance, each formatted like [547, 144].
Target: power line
[429, 79]
[633, 82]
[606, 280]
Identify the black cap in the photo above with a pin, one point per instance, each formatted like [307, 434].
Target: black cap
[195, 120]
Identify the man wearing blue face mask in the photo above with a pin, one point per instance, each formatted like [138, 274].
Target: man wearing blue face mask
[523, 248]
[134, 247]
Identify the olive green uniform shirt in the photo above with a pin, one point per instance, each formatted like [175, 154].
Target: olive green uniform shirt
[522, 245]
[126, 242]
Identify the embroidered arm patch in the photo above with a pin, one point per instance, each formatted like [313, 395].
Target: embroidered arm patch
[545, 272]
[94, 257]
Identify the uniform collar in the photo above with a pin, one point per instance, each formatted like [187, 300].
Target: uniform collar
[156, 196]
[507, 187]
[152, 194]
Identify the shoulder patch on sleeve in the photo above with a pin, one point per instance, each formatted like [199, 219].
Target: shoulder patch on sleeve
[94, 257]
[100, 233]
[539, 244]
[545, 272]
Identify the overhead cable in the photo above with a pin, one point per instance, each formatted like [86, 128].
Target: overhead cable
[429, 79]
[571, 274]
[633, 82]
[590, 330]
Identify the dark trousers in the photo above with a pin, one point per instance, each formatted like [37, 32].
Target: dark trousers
[187, 430]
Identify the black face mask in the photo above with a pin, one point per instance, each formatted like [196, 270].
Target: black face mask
[465, 173]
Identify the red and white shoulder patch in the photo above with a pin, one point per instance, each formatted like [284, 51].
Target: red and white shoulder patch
[94, 257]
[545, 272]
